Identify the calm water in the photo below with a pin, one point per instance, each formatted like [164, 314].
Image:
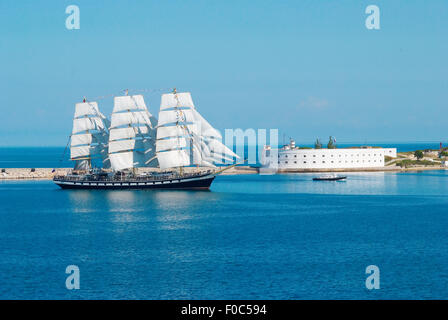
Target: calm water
[253, 237]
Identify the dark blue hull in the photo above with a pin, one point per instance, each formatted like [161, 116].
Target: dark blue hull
[330, 179]
[192, 183]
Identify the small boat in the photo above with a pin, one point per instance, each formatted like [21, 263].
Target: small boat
[329, 177]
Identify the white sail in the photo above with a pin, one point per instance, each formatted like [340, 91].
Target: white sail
[176, 100]
[206, 128]
[173, 130]
[176, 116]
[173, 158]
[132, 134]
[81, 138]
[169, 132]
[89, 135]
[213, 148]
[171, 144]
[184, 137]
[82, 165]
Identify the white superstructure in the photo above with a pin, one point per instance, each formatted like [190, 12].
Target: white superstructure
[291, 157]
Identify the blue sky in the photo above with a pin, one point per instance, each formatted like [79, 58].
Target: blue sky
[309, 68]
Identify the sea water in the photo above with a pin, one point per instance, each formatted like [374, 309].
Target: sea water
[249, 237]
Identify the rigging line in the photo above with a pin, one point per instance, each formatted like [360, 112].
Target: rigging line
[133, 90]
[65, 150]
[229, 167]
[191, 135]
[150, 90]
[101, 97]
[100, 116]
[193, 142]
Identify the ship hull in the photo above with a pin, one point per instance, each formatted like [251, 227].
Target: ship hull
[330, 179]
[191, 183]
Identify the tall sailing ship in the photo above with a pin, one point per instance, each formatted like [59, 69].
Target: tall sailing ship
[108, 155]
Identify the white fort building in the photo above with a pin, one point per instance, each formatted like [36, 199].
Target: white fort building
[292, 158]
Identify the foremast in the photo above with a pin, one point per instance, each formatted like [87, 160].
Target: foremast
[89, 137]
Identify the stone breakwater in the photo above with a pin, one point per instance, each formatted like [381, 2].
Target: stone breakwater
[31, 174]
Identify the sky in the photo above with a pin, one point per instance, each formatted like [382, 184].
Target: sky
[307, 68]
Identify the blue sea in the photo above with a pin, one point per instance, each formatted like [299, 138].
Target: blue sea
[249, 237]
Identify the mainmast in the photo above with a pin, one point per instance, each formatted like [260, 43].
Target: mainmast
[174, 117]
[132, 134]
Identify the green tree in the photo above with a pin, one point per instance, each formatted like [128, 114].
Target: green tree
[317, 144]
[418, 154]
[331, 144]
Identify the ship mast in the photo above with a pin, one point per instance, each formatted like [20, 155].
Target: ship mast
[132, 134]
[184, 137]
[89, 135]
